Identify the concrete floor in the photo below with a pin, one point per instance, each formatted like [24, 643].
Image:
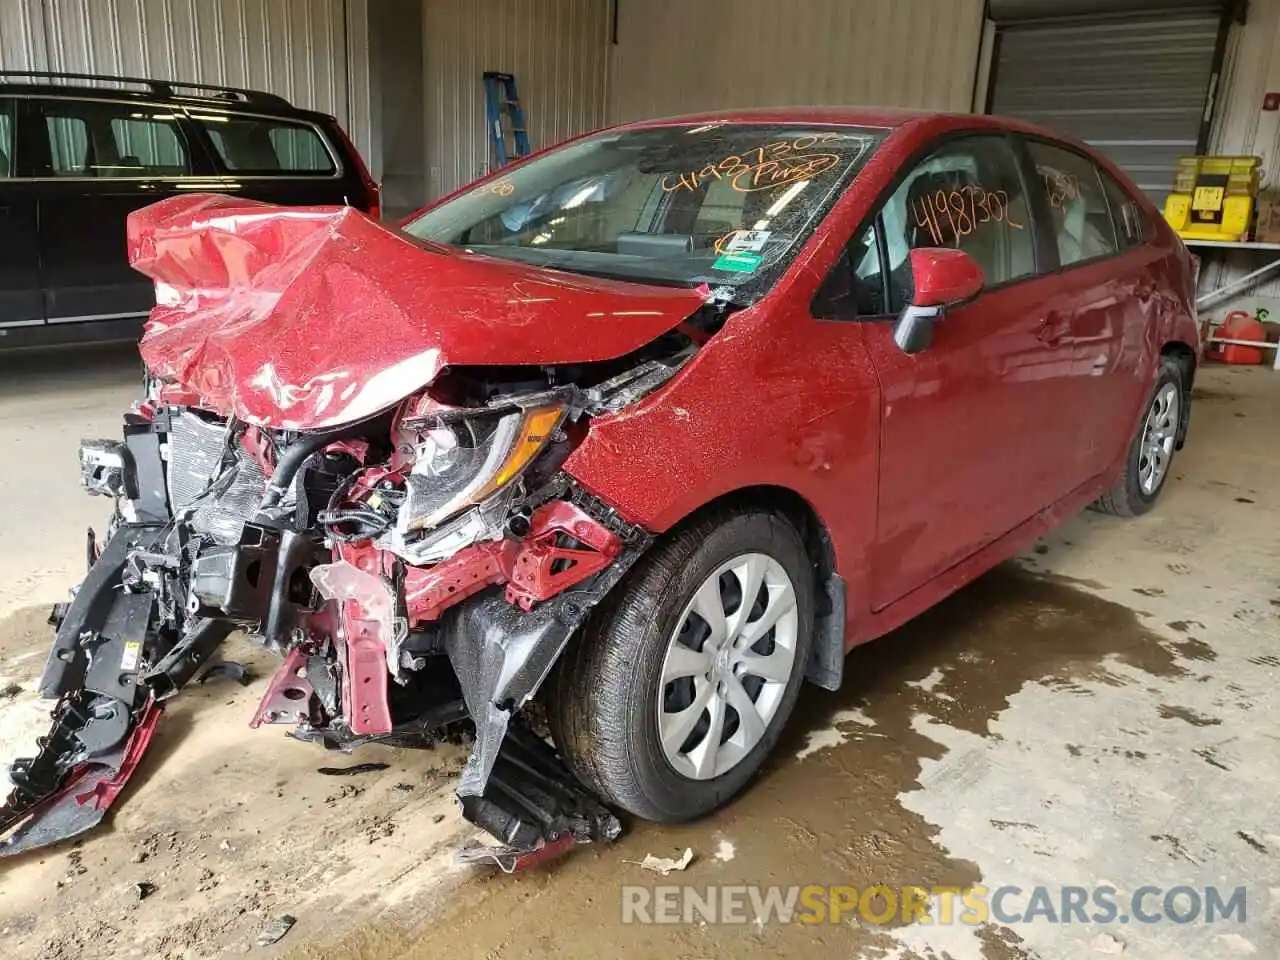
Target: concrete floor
[1103, 711]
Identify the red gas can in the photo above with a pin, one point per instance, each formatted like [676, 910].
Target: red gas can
[1240, 326]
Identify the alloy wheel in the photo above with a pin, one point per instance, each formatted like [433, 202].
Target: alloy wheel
[727, 666]
[1159, 434]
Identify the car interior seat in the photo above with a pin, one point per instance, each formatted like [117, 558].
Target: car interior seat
[1079, 238]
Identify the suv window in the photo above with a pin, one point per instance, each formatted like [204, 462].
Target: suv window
[1126, 213]
[256, 145]
[6, 139]
[966, 195]
[1079, 214]
[112, 140]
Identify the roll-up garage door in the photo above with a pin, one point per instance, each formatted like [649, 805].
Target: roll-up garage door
[1134, 85]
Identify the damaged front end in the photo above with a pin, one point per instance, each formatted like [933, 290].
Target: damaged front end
[419, 569]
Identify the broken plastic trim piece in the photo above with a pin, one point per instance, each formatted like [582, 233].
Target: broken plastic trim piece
[631, 385]
[534, 806]
[82, 801]
[501, 654]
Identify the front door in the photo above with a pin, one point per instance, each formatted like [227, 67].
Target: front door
[97, 161]
[963, 423]
[20, 302]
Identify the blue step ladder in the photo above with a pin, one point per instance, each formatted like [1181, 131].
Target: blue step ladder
[501, 101]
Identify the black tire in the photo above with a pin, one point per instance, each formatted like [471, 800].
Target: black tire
[1126, 498]
[602, 707]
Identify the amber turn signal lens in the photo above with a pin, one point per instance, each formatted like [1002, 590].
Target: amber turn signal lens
[536, 430]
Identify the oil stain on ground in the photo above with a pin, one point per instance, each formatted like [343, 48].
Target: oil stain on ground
[832, 818]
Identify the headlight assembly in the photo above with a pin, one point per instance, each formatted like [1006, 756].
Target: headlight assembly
[460, 460]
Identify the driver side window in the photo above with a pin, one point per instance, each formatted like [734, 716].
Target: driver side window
[966, 195]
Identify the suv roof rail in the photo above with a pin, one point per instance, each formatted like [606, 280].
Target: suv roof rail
[161, 88]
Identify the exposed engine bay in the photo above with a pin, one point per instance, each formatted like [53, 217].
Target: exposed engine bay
[416, 570]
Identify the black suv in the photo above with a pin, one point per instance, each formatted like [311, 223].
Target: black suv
[79, 151]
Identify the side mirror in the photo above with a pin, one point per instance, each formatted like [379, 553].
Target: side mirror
[943, 278]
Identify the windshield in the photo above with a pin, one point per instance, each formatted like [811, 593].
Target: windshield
[722, 204]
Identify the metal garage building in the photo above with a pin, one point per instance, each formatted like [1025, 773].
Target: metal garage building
[1146, 80]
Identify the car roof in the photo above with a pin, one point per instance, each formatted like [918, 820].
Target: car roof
[844, 116]
[888, 118]
[145, 90]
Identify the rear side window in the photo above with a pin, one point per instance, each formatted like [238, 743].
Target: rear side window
[149, 144]
[6, 139]
[1126, 212]
[112, 140]
[968, 196]
[68, 146]
[260, 146]
[1079, 214]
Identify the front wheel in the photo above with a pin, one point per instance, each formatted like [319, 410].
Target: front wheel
[676, 691]
[1152, 449]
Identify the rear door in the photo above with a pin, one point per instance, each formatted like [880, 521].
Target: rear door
[275, 160]
[967, 422]
[96, 162]
[20, 300]
[1102, 301]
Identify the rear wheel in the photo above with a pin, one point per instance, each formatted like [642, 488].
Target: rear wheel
[674, 693]
[1152, 449]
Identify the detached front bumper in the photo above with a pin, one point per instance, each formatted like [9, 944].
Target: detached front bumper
[109, 674]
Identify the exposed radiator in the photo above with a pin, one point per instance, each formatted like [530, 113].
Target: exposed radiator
[196, 450]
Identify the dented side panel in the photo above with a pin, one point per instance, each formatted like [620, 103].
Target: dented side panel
[751, 410]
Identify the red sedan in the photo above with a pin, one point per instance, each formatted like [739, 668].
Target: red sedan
[654, 425]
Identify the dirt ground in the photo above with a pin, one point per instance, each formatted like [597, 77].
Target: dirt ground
[1102, 710]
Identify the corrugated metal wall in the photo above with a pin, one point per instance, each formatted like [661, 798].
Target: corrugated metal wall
[1133, 87]
[557, 50]
[1252, 68]
[296, 48]
[674, 56]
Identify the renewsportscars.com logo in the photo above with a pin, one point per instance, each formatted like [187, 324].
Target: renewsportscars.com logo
[942, 905]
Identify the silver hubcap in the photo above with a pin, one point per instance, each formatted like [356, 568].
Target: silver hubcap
[727, 666]
[1159, 434]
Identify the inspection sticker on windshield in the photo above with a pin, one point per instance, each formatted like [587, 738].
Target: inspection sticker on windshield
[132, 653]
[738, 262]
[750, 240]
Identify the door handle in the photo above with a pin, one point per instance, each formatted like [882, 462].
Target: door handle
[1052, 329]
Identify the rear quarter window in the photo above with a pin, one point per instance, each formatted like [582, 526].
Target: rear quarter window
[256, 146]
[1132, 228]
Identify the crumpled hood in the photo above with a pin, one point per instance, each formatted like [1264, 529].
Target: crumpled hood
[311, 317]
